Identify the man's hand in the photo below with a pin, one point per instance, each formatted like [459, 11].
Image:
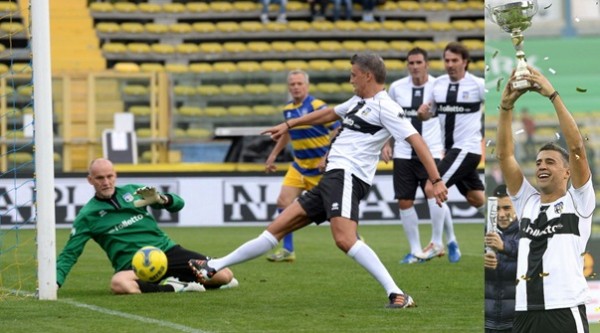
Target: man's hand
[440, 192]
[424, 112]
[277, 131]
[539, 82]
[490, 261]
[149, 197]
[270, 165]
[510, 95]
[387, 153]
[493, 240]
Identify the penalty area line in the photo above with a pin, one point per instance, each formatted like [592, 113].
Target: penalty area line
[168, 324]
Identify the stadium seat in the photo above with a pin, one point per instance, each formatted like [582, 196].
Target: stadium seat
[388, 6]
[341, 64]
[408, 6]
[200, 68]
[225, 67]
[215, 111]
[377, 45]
[125, 7]
[436, 65]
[395, 65]
[100, 7]
[456, 6]
[108, 27]
[323, 26]
[272, 66]
[228, 26]
[12, 27]
[440, 26]
[328, 88]
[234, 47]
[210, 48]
[257, 88]
[19, 157]
[401, 45]
[191, 111]
[151, 67]
[135, 89]
[346, 87]
[299, 26]
[296, 64]
[140, 110]
[176, 68]
[433, 6]
[426, 45]
[184, 90]
[3, 69]
[239, 110]
[114, 48]
[278, 88]
[463, 25]
[282, 46]
[21, 68]
[204, 27]
[416, 25]
[162, 48]
[258, 46]
[208, 90]
[179, 133]
[232, 89]
[180, 28]
[14, 135]
[174, 8]
[221, 6]
[132, 28]
[197, 7]
[307, 46]
[143, 132]
[276, 26]
[127, 67]
[393, 25]
[330, 46]
[294, 6]
[345, 25]
[369, 26]
[25, 90]
[473, 44]
[320, 65]
[199, 133]
[153, 8]
[248, 66]
[245, 6]
[187, 48]
[353, 45]
[251, 26]
[264, 110]
[476, 5]
[156, 28]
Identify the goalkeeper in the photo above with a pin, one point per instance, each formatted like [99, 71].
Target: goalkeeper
[118, 220]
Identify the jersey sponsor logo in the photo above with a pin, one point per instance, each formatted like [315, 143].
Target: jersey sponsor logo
[126, 223]
[102, 213]
[458, 108]
[358, 124]
[567, 223]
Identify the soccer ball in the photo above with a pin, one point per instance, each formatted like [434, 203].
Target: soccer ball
[149, 264]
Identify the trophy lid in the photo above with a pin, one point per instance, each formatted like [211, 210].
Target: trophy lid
[514, 15]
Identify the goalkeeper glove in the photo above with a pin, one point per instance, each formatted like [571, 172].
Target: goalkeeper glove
[149, 197]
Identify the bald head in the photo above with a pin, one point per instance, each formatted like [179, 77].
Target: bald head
[102, 176]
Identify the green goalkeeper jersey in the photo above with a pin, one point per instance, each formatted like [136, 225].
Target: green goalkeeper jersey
[118, 227]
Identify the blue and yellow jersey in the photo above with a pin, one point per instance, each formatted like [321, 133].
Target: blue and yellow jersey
[310, 142]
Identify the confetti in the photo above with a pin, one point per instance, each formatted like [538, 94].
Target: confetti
[546, 58]
[550, 5]
[488, 143]
[551, 70]
[487, 68]
[542, 274]
[576, 157]
[499, 83]
[557, 136]
[521, 131]
[577, 19]
[493, 150]
[581, 90]
[495, 54]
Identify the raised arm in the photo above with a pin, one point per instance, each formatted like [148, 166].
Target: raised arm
[505, 149]
[578, 163]
[317, 117]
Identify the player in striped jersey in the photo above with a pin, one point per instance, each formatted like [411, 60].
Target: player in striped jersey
[457, 99]
[310, 144]
[555, 220]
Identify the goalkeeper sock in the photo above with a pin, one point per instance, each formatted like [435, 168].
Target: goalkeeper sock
[249, 250]
[368, 259]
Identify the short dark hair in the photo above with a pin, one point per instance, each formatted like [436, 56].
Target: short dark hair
[418, 50]
[554, 147]
[370, 62]
[500, 191]
[458, 48]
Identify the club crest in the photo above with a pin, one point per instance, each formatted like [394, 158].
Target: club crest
[128, 197]
[558, 208]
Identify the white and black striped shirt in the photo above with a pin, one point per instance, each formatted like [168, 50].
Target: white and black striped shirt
[553, 239]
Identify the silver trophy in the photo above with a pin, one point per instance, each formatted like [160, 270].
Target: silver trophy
[515, 17]
[492, 217]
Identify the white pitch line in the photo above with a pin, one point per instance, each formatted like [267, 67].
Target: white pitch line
[142, 319]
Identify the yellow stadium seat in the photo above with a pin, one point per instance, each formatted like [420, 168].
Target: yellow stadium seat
[199, 133]
[264, 110]
[21, 68]
[239, 110]
[440, 26]
[276, 26]
[369, 26]
[473, 44]
[163, 48]
[393, 25]
[342, 64]
[100, 7]
[323, 26]
[25, 90]
[135, 89]
[14, 135]
[251, 26]
[125, 7]
[145, 7]
[189, 111]
[200, 68]
[248, 66]
[346, 25]
[187, 48]
[299, 26]
[234, 47]
[232, 89]
[176, 68]
[114, 47]
[204, 27]
[328, 88]
[19, 157]
[387, 6]
[330, 46]
[426, 45]
[436, 65]
[180, 28]
[346, 87]
[433, 6]
[401, 45]
[132, 27]
[257, 88]
[307, 46]
[151, 67]
[353, 45]
[395, 65]
[377, 45]
[210, 48]
[12, 27]
[228, 26]
[139, 110]
[476, 5]
[297, 6]
[480, 24]
[272, 66]
[456, 6]
[174, 8]
[278, 88]
[408, 6]
[257, 46]
[221, 6]
[282, 46]
[108, 27]
[296, 64]
[197, 7]
[156, 28]
[225, 67]
[416, 25]
[179, 133]
[320, 65]
[463, 25]
[183, 90]
[215, 111]
[143, 132]
[127, 67]
[208, 90]
[245, 6]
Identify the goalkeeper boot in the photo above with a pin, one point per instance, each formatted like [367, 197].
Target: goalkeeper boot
[400, 301]
[180, 286]
[232, 284]
[282, 255]
[453, 252]
[411, 259]
[431, 251]
[201, 269]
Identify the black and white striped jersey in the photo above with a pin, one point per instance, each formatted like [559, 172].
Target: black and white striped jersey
[553, 240]
[459, 108]
[367, 125]
[410, 97]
